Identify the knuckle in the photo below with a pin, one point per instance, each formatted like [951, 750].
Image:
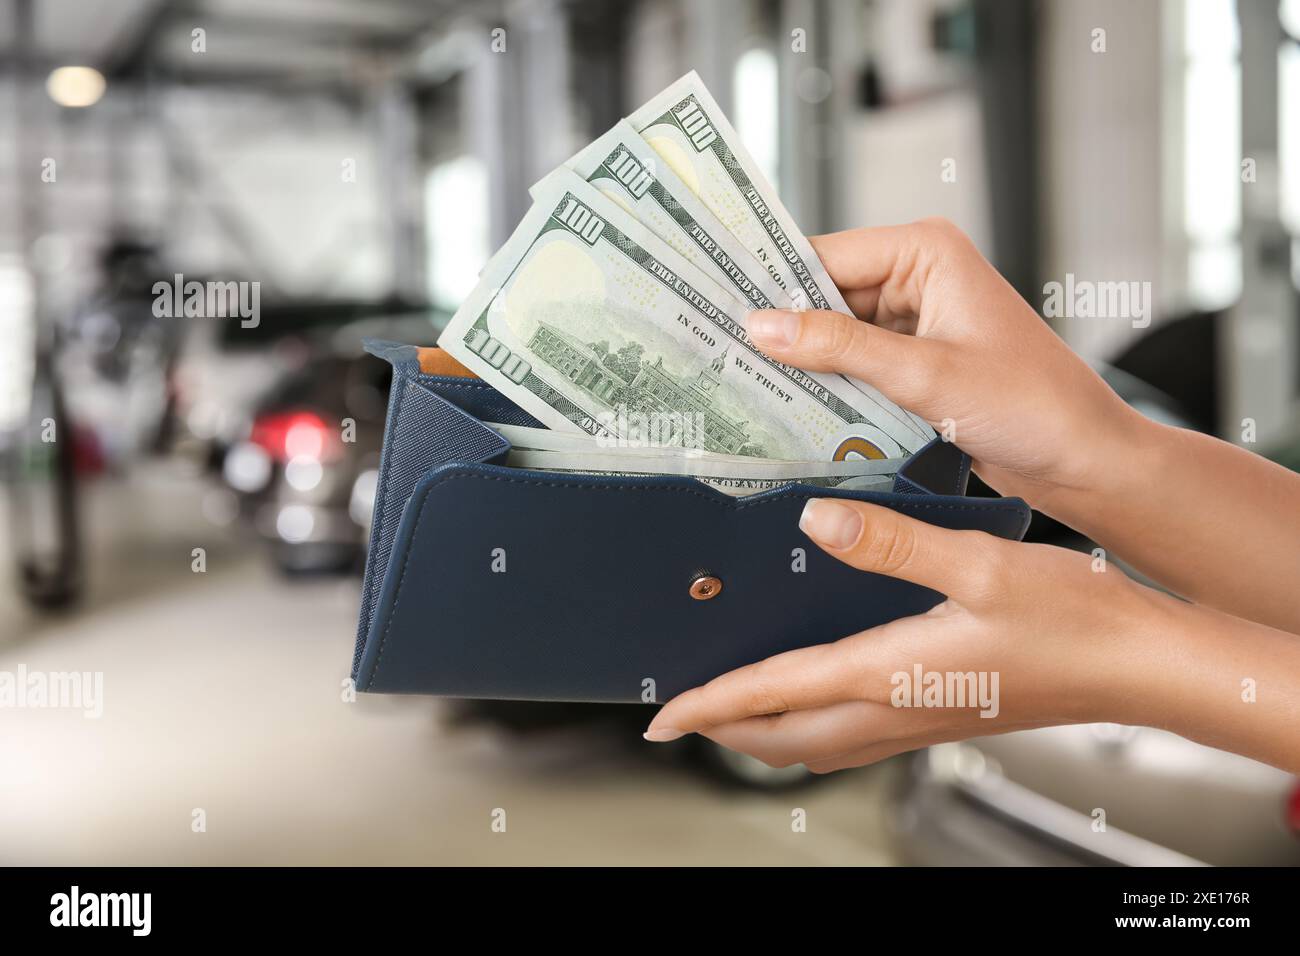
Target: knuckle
[989, 569]
[891, 549]
[707, 703]
[867, 671]
[938, 229]
[836, 338]
[763, 694]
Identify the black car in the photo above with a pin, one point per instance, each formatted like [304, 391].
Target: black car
[305, 472]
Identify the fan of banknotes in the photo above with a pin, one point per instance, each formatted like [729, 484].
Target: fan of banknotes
[614, 316]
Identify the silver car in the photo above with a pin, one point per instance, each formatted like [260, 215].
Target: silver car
[1094, 794]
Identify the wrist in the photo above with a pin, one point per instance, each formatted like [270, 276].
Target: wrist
[1117, 665]
[1112, 473]
[1138, 671]
[1196, 672]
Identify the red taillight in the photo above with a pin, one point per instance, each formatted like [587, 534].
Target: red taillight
[289, 435]
[1293, 809]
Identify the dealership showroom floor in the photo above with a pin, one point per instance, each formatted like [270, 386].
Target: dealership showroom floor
[226, 738]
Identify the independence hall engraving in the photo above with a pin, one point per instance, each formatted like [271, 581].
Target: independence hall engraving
[652, 390]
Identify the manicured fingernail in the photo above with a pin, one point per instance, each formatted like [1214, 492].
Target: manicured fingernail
[662, 735]
[772, 326]
[830, 523]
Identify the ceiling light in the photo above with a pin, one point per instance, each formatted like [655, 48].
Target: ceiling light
[75, 86]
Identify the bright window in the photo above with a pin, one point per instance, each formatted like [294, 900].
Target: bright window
[456, 228]
[755, 85]
[1212, 151]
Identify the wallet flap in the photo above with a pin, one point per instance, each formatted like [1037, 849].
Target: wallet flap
[422, 431]
[527, 585]
[939, 468]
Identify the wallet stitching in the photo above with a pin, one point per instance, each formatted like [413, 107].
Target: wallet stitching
[443, 480]
[450, 383]
[963, 473]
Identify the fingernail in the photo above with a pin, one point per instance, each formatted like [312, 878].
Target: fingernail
[772, 326]
[662, 735]
[830, 523]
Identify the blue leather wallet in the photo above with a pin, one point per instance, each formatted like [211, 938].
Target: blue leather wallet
[486, 581]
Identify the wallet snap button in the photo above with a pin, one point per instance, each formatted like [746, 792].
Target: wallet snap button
[706, 586]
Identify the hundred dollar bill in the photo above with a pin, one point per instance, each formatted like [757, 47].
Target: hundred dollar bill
[684, 125]
[586, 319]
[525, 438]
[544, 439]
[623, 166]
[603, 451]
[736, 478]
[666, 463]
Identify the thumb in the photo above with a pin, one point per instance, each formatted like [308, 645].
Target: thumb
[905, 368]
[882, 541]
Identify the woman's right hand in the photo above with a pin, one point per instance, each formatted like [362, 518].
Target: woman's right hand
[940, 332]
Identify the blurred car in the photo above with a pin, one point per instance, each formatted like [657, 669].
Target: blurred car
[1094, 794]
[305, 472]
[302, 458]
[225, 369]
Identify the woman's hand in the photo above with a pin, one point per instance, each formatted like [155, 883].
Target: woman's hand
[1031, 622]
[1031, 413]
[1067, 641]
[943, 335]
[1045, 634]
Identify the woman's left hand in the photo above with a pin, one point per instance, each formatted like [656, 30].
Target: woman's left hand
[1049, 636]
